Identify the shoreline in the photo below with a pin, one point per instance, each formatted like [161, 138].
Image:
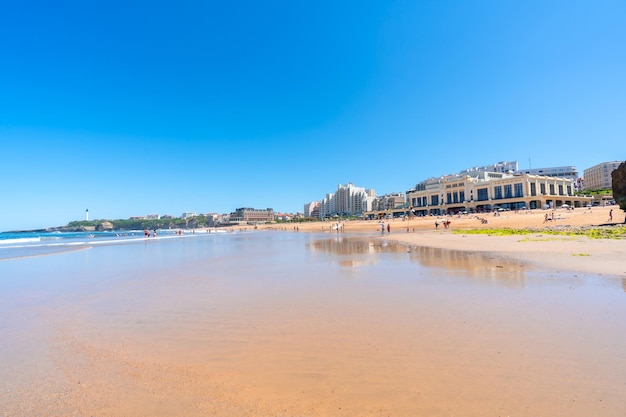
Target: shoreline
[558, 252]
[561, 253]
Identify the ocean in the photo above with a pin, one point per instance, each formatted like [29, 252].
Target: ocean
[25, 244]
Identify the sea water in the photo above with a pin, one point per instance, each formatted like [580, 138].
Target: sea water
[25, 244]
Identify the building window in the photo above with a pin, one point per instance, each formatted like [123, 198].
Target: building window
[552, 189]
[462, 196]
[424, 201]
[482, 194]
[569, 190]
[533, 189]
[497, 192]
[560, 190]
[508, 191]
[449, 198]
[434, 200]
[543, 189]
[519, 190]
[455, 197]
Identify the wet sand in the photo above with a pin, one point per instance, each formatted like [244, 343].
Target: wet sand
[297, 324]
[563, 253]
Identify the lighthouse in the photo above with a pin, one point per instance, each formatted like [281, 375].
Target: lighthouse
[86, 215]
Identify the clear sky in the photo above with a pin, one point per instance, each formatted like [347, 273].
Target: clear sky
[130, 108]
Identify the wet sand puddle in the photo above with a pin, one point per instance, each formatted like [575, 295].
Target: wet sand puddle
[289, 325]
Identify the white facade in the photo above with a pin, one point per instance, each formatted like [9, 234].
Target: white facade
[503, 167]
[348, 200]
[312, 209]
[559, 172]
[389, 201]
[491, 190]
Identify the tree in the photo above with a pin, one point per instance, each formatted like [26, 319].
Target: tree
[618, 178]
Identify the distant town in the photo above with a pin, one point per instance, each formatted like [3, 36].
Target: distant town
[497, 187]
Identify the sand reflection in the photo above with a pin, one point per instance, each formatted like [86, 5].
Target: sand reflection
[357, 252]
[266, 325]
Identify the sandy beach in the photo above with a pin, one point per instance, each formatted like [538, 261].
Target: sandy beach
[564, 253]
[293, 324]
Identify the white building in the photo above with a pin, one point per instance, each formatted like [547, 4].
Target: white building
[348, 200]
[312, 209]
[389, 201]
[502, 167]
[569, 172]
[487, 191]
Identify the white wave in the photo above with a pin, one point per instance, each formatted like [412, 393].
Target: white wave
[20, 240]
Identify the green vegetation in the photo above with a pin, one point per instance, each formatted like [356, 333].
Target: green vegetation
[613, 232]
[300, 220]
[602, 191]
[142, 224]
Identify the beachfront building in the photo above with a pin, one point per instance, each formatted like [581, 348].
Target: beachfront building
[312, 209]
[251, 215]
[487, 191]
[559, 172]
[503, 167]
[348, 200]
[598, 177]
[389, 201]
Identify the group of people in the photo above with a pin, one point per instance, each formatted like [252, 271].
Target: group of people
[446, 223]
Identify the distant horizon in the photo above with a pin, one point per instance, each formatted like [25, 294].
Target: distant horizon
[213, 106]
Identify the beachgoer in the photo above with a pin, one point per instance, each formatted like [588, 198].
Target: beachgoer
[436, 224]
[388, 228]
[611, 215]
[382, 228]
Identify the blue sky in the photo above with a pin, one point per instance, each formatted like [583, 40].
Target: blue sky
[130, 108]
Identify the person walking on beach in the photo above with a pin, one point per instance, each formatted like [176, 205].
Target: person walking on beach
[382, 228]
[611, 215]
[388, 228]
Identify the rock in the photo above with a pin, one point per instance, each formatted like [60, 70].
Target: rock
[104, 226]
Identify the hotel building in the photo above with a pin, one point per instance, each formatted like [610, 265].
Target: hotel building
[348, 200]
[598, 177]
[486, 191]
[252, 215]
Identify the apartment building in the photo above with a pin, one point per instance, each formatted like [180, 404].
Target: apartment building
[599, 176]
[560, 172]
[348, 200]
[312, 209]
[389, 201]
